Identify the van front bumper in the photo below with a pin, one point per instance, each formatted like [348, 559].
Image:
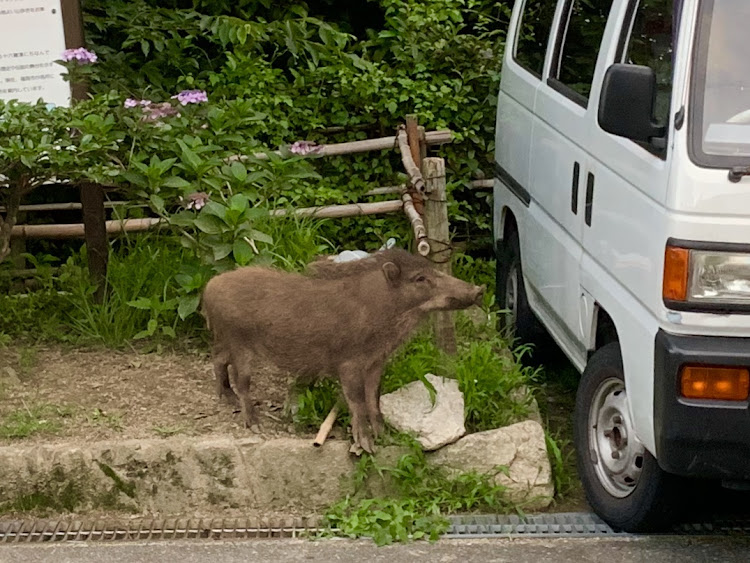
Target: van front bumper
[700, 438]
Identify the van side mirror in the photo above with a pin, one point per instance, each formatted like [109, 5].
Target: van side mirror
[626, 105]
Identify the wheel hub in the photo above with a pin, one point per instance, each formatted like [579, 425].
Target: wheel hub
[615, 451]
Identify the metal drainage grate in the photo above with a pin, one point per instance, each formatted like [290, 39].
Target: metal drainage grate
[571, 524]
[33, 531]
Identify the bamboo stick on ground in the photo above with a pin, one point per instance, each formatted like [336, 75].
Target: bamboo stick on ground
[325, 428]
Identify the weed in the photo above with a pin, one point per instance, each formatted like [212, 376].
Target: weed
[296, 241]
[32, 420]
[27, 360]
[99, 417]
[423, 496]
[563, 464]
[313, 404]
[5, 339]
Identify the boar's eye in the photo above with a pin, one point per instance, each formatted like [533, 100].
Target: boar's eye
[420, 278]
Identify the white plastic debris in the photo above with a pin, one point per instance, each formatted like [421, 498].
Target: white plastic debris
[350, 255]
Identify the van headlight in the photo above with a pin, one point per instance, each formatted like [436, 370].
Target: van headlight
[706, 277]
[719, 277]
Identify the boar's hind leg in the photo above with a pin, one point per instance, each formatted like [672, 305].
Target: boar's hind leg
[243, 390]
[223, 387]
[354, 393]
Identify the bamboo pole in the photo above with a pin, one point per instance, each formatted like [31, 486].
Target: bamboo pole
[76, 230]
[346, 210]
[438, 229]
[325, 428]
[71, 206]
[440, 137]
[420, 232]
[415, 176]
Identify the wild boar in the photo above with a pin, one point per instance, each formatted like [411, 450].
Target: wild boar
[341, 320]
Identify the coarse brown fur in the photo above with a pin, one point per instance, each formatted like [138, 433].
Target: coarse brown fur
[341, 320]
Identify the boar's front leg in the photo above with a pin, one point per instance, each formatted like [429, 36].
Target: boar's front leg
[352, 385]
[372, 400]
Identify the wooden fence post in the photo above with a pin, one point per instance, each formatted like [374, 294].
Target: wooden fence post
[95, 233]
[92, 195]
[438, 231]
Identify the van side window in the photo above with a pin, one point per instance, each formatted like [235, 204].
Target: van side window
[649, 43]
[581, 42]
[534, 30]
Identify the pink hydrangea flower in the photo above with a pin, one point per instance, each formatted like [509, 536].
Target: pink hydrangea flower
[154, 112]
[83, 56]
[191, 97]
[132, 102]
[305, 147]
[197, 200]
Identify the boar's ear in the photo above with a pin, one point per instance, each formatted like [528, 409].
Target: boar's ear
[392, 273]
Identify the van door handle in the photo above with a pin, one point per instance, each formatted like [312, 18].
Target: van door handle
[574, 191]
[589, 197]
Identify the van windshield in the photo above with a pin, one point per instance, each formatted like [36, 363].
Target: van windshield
[721, 84]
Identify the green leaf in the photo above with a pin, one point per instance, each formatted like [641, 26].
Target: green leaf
[188, 156]
[176, 182]
[215, 208]
[221, 250]
[143, 303]
[242, 252]
[169, 331]
[157, 203]
[239, 172]
[238, 202]
[261, 237]
[188, 305]
[210, 224]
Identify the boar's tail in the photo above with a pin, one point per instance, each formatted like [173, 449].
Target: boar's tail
[204, 312]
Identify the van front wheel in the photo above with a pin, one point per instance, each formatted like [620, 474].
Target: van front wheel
[516, 317]
[623, 482]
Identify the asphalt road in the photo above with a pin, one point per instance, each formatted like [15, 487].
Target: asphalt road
[558, 550]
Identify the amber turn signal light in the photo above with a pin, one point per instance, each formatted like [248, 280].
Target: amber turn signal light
[719, 383]
[676, 262]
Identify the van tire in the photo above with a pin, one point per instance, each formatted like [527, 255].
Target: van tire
[523, 325]
[652, 503]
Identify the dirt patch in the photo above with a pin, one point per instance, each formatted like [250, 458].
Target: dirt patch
[52, 394]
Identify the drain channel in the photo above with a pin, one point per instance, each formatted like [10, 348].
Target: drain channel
[33, 531]
[571, 524]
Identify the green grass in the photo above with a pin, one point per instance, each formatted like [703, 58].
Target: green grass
[31, 420]
[422, 497]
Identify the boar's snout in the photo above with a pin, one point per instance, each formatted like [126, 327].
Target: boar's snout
[466, 296]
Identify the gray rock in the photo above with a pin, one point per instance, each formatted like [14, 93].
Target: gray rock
[519, 447]
[9, 377]
[409, 410]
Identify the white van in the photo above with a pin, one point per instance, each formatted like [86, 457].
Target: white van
[622, 221]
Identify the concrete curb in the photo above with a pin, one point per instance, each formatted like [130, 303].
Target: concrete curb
[184, 474]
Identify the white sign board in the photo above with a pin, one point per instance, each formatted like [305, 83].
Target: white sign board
[31, 39]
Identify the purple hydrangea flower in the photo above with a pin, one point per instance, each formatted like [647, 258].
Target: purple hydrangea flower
[305, 147]
[83, 56]
[197, 200]
[191, 97]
